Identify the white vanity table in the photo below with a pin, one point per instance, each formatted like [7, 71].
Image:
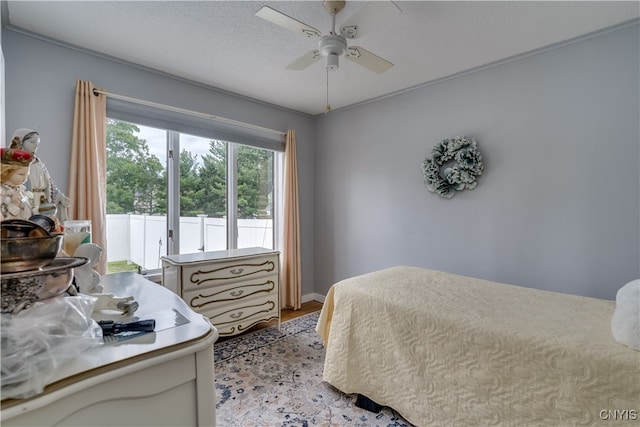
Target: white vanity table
[164, 378]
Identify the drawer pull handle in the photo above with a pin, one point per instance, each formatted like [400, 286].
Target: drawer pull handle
[236, 293]
[236, 315]
[237, 270]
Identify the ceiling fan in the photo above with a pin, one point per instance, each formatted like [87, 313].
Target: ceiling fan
[334, 45]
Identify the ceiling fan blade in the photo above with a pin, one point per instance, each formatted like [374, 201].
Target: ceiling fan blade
[286, 22]
[304, 61]
[368, 60]
[368, 17]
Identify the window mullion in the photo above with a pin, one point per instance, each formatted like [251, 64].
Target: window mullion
[232, 196]
[173, 192]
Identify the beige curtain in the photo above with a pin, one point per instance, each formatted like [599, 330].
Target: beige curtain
[291, 275]
[88, 165]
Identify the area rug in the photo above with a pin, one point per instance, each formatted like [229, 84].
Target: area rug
[274, 378]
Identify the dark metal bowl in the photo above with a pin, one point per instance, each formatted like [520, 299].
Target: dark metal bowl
[21, 290]
[28, 253]
[22, 228]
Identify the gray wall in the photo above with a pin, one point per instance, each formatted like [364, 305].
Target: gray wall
[558, 206]
[40, 85]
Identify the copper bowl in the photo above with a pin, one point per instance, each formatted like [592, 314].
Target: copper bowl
[21, 290]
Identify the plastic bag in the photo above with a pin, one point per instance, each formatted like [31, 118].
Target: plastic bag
[36, 341]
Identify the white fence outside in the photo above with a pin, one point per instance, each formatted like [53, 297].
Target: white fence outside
[142, 239]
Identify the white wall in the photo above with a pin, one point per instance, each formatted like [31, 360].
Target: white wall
[557, 207]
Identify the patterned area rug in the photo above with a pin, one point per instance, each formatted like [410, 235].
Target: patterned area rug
[274, 378]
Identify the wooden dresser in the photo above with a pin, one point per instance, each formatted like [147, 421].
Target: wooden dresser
[236, 289]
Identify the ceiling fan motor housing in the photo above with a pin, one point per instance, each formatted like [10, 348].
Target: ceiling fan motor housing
[331, 47]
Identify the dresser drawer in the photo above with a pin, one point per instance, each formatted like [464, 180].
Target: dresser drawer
[204, 275]
[206, 298]
[234, 288]
[239, 317]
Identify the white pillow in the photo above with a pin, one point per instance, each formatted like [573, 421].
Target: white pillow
[625, 323]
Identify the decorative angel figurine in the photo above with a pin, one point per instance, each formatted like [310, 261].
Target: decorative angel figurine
[40, 183]
[88, 282]
[14, 200]
[87, 279]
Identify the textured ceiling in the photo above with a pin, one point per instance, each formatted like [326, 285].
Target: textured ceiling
[224, 45]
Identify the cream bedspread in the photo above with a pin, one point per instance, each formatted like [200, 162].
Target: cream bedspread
[449, 350]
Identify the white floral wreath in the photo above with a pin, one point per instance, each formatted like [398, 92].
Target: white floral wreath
[468, 166]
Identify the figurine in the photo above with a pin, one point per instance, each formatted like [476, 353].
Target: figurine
[88, 282]
[49, 210]
[87, 279]
[40, 183]
[14, 200]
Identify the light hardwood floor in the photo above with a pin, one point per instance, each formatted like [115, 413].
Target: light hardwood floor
[307, 307]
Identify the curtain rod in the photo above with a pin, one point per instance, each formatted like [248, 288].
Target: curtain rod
[188, 112]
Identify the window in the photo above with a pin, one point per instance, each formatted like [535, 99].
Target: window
[170, 192]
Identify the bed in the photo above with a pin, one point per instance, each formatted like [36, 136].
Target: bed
[444, 349]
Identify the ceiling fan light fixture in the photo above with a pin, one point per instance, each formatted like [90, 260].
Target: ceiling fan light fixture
[331, 47]
[332, 62]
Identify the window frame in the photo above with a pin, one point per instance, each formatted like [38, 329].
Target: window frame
[177, 122]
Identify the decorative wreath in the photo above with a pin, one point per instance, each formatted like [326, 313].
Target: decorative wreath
[468, 166]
